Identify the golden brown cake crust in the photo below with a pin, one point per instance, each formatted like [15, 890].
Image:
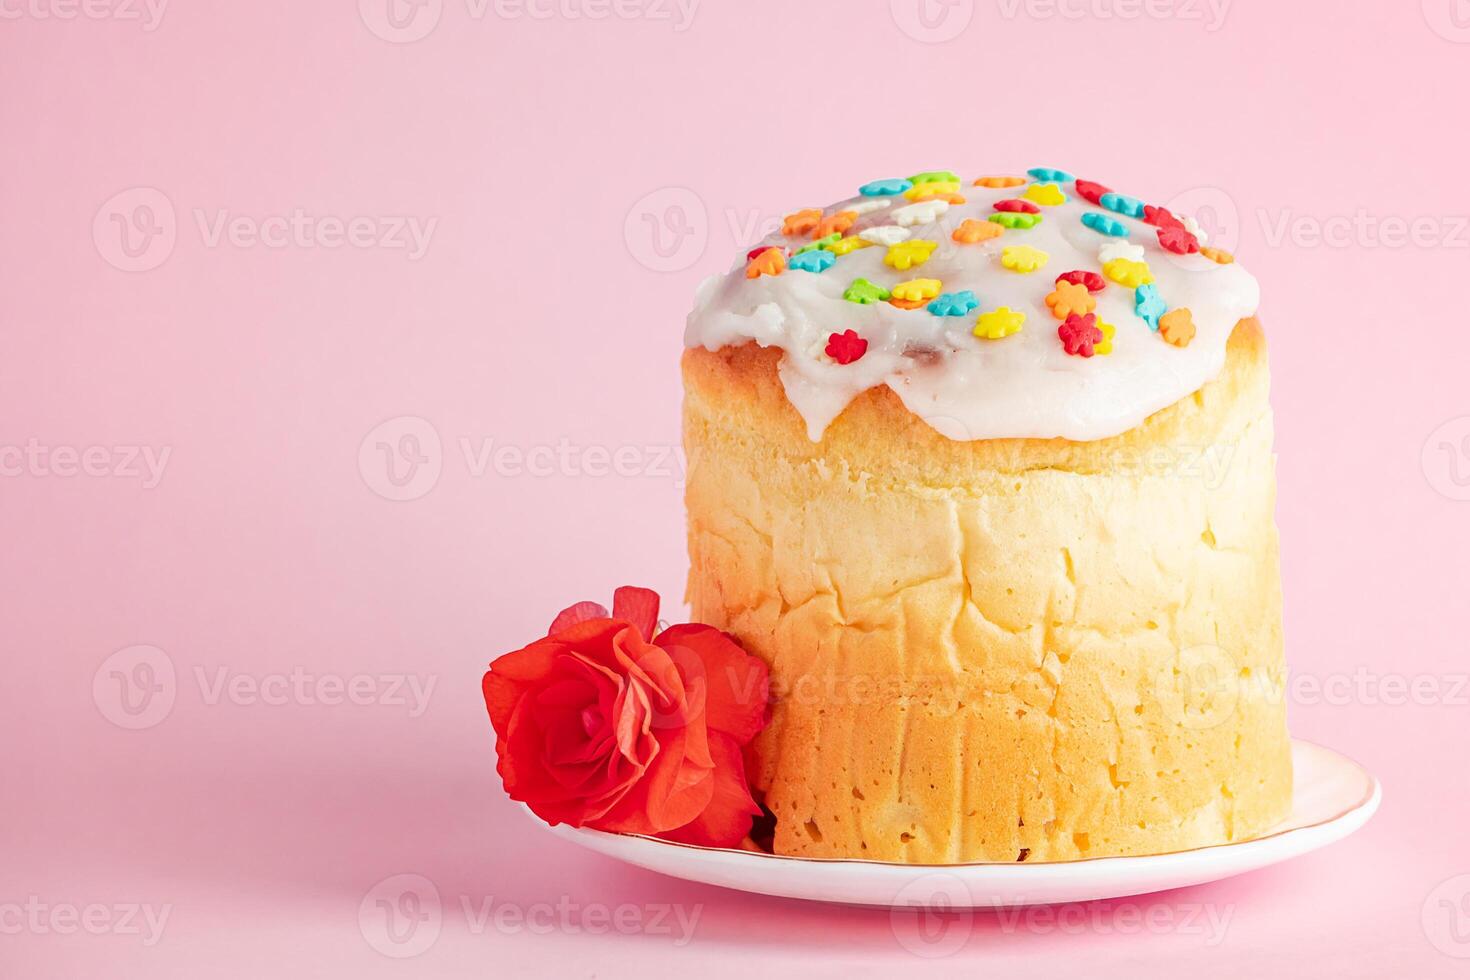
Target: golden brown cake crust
[997, 650]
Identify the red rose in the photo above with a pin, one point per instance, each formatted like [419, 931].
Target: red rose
[595, 726]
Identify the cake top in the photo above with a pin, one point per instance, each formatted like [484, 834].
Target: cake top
[1000, 306]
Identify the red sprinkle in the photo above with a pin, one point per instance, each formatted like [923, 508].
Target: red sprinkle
[758, 250]
[1160, 217]
[1177, 239]
[1015, 204]
[1092, 190]
[1092, 280]
[1080, 333]
[846, 347]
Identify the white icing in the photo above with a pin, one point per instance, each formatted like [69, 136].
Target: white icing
[966, 387]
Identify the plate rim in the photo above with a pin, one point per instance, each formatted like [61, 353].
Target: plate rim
[1366, 806]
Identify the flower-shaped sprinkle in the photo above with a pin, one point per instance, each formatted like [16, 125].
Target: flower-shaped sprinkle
[1080, 277]
[1115, 248]
[1048, 195]
[801, 222]
[931, 187]
[999, 323]
[1160, 217]
[1068, 298]
[1091, 190]
[1016, 204]
[1050, 174]
[813, 261]
[936, 177]
[1105, 225]
[917, 290]
[846, 347]
[1177, 326]
[835, 224]
[885, 188]
[1080, 334]
[850, 244]
[922, 213]
[1126, 272]
[947, 198]
[1023, 258]
[1122, 203]
[863, 292]
[999, 181]
[954, 304]
[1016, 219]
[971, 231]
[1217, 255]
[885, 234]
[1105, 346]
[822, 242]
[869, 205]
[906, 255]
[758, 250]
[1178, 240]
[769, 262]
[1192, 226]
[1148, 304]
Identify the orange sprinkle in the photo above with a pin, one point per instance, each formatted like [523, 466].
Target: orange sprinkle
[907, 304]
[835, 224]
[1177, 326]
[771, 262]
[1218, 255]
[971, 231]
[999, 181]
[949, 198]
[1069, 298]
[801, 222]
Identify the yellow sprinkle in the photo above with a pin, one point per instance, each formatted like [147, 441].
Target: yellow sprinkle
[932, 187]
[999, 323]
[849, 244]
[1023, 258]
[906, 255]
[1106, 347]
[1047, 195]
[1126, 272]
[1217, 255]
[917, 290]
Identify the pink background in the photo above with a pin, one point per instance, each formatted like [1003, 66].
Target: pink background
[543, 313]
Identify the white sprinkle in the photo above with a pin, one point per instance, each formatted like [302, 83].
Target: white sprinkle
[1117, 249]
[885, 235]
[1194, 229]
[920, 213]
[868, 205]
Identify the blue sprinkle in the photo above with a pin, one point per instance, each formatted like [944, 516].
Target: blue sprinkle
[953, 304]
[817, 260]
[1148, 304]
[1050, 174]
[1123, 204]
[1102, 223]
[886, 187]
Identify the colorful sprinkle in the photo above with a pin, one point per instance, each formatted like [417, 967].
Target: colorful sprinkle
[885, 188]
[906, 255]
[758, 250]
[813, 261]
[835, 224]
[1123, 204]
[846, 347]
[885, 235]
[1192, 226]
[999, 323]
[954, 304]
[1177, 327]
[1016, 204]
[822, 242]
[1105, 225]
[1092, 280]
[936, 177]
[864, 293]
[922, 213]
[1023, 258]
[1016, 219]
[1048, 195]
[1090, 190]
[801, 222]
[1178, 240]
[769, 262]
[931, 188]
[1160, 217]
[1080, 334]
[999, 181]
[971, 231]
[850, 244]
[861, 208]
[1108, 332]
[1069, 298]
[1117, 249]
[1218, 255]
[1050, 174]
[946, 198]
[905, 304]
[917, 290]
[1126, 272]
[1148, 304]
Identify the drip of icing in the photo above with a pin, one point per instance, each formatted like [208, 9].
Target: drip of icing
[966, 387]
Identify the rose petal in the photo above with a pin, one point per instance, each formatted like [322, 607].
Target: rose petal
[736, 685]
[727, 818]
[638, 607]
[574, 614]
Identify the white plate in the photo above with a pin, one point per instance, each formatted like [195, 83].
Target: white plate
[1333, 797]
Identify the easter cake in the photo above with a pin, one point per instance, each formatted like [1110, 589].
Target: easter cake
[981, 467]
